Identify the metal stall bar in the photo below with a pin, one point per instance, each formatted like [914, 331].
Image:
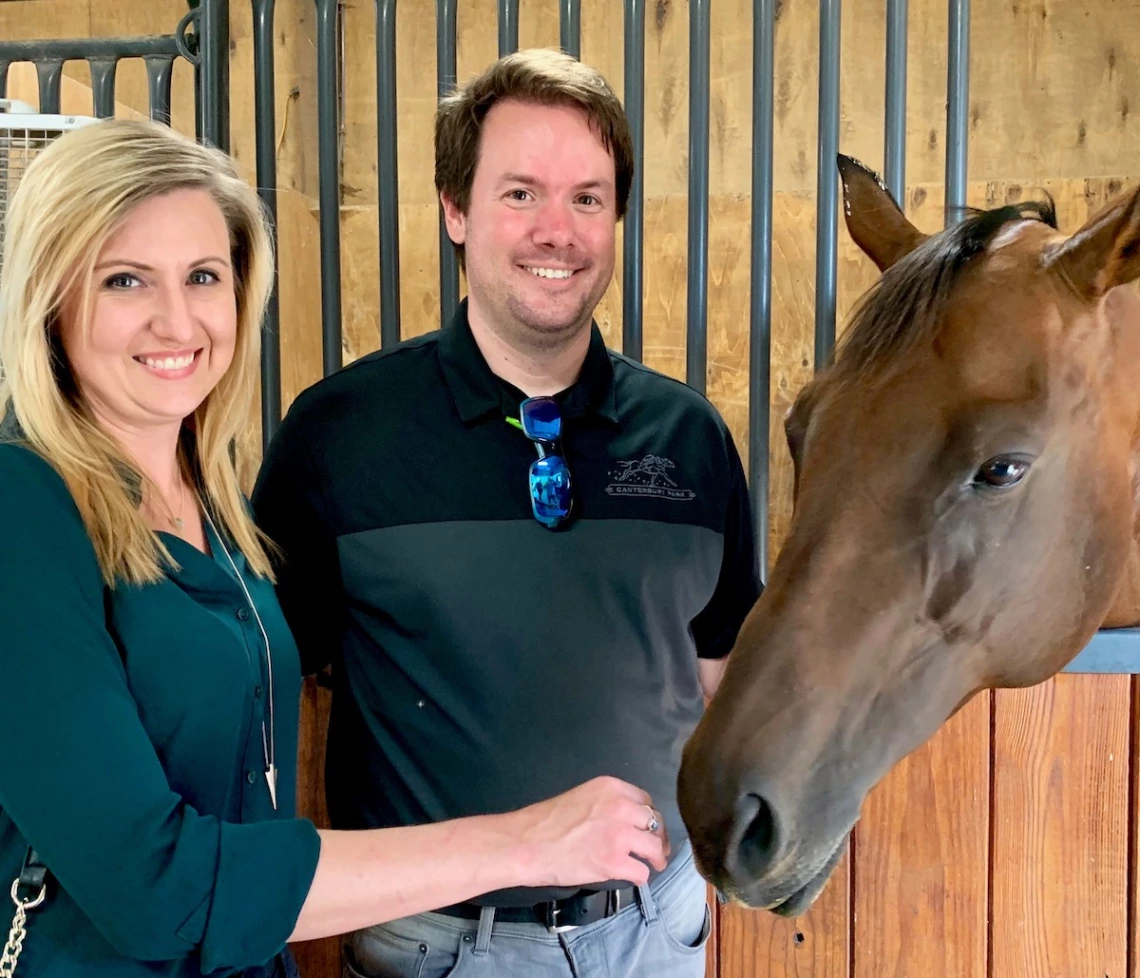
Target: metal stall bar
[760, 311]
[103, 85]
[634, 232]
[696, 325]
[81, 49]
[570, 26]
[957, 108]
[827, 183]
[328, 118]
[388, 172]
[508, 26]
[265, 126]
[49, 74]
[187, 42]
[445, 44]
[894, 152]
[214, 52]
[102, 54]
[159, 71]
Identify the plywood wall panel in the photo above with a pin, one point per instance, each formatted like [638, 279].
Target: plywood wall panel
[1061, 828]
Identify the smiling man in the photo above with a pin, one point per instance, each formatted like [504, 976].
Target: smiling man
[524, 555]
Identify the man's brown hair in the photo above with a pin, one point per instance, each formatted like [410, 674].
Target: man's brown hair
[542, 76]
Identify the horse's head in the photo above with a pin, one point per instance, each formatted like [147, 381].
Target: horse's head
[964, 518]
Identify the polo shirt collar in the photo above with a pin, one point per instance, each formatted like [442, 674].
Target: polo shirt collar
[478, 392]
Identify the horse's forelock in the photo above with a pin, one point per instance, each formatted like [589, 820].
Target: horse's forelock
[907, 305]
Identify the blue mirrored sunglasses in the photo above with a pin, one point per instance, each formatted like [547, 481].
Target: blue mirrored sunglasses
[551, 494]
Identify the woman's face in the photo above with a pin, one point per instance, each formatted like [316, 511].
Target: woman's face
[163, 315]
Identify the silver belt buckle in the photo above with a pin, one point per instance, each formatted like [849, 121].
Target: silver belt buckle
[553, 926]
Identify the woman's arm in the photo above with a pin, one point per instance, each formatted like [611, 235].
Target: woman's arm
[590, 833]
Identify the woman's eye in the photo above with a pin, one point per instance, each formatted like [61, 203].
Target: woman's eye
[1001, 472]
[203, 276]
[122, 280]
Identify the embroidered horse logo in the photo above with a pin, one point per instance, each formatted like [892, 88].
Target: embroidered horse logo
[647, 476]
[649, 471]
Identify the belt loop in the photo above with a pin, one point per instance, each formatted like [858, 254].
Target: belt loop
[648, 906]
[483, 936]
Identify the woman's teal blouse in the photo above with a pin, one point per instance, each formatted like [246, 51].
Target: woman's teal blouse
[131, 751]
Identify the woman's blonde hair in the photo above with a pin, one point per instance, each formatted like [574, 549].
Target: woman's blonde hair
[72, 197]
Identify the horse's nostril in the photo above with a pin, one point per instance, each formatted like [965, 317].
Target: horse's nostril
[757, 844]
[761, 828]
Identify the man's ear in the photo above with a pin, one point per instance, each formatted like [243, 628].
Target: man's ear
[1104, 253]
[875, 221]
[454, 219]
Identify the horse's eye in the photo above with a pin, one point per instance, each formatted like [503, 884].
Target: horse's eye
[1001, 472]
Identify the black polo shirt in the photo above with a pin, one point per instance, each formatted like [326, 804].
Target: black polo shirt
[481, 661]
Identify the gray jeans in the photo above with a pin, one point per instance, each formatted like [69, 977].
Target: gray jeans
[660, 935]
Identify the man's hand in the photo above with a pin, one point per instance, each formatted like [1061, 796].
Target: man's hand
[710, 672]
[598, 831]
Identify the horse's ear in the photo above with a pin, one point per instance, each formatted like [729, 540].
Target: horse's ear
[1104, 253]
[875, 221]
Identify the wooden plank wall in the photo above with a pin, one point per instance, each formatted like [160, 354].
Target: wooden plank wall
[1006, 847]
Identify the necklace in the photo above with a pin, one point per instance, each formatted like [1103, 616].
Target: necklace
[178, 520]
[167, 516]
[268, 747]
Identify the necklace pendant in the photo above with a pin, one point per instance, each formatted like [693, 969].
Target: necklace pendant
[179, 523]
[271, 780]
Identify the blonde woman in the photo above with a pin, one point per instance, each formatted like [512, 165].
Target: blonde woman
[148, 682]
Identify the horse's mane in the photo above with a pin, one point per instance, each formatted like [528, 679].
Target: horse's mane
[906, 306]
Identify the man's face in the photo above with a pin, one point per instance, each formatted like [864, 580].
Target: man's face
[539, 228]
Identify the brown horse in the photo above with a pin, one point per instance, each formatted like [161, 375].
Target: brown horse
[965, 517]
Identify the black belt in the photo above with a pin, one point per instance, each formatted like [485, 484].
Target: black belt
[575, 911]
